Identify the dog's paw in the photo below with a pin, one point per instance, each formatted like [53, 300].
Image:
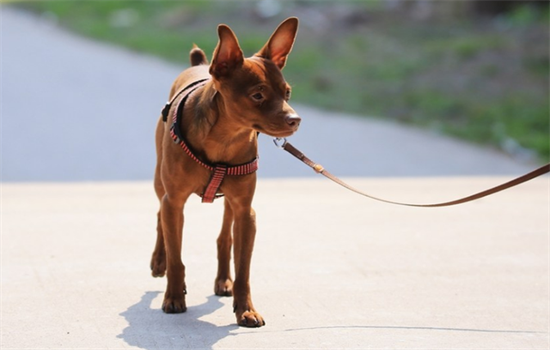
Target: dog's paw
[223, 287]
[174, 305]
[250, 319]
[158, 265]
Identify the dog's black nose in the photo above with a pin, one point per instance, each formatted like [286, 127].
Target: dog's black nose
[293, 120]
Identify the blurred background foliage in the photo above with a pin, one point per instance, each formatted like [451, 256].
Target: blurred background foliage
[478, 70]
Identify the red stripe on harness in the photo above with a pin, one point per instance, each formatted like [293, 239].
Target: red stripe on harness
[214, 184]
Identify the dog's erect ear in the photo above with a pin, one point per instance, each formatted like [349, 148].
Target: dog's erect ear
[279, 45]
[228, 54]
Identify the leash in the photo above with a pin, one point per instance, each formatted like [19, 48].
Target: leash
[318, 168]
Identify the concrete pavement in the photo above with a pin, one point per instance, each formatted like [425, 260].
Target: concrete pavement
[331, 270]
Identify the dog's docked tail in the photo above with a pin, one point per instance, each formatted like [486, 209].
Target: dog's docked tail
[197, 56]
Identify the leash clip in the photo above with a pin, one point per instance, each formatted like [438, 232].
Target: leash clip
[277, 142]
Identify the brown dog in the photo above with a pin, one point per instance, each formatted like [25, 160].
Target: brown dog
[206, 143]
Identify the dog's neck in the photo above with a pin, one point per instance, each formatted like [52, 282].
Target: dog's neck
[212, 131]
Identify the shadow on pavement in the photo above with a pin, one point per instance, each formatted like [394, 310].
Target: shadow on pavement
[420, 328]
[151, 329]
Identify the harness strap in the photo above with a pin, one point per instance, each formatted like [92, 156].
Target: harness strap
[166, 109]
[219, 171]
[214, 184]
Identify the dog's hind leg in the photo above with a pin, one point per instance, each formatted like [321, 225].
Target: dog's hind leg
[158, 260]
[223, 285]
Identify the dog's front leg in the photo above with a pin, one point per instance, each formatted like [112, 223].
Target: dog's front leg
[172, 225]
[244, 232]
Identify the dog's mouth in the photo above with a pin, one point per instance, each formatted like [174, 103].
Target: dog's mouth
[274, 133]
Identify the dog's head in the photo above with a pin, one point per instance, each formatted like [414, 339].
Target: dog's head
[253, 90]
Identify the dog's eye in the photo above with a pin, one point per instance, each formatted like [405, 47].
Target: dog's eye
[258, 96]
[287, 96]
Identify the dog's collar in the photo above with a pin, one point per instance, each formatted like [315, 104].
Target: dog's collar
[219, 170]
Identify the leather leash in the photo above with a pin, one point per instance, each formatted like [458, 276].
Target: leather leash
[320, 170]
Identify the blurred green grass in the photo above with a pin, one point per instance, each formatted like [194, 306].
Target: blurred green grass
[481, 79]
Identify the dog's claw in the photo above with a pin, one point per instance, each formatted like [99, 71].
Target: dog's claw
[170, 306]
[223, 287]
[157, 274]
[158, 266]
[251, 319]
[172, 309]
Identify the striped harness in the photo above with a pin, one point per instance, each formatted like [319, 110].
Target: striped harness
[219, 170]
